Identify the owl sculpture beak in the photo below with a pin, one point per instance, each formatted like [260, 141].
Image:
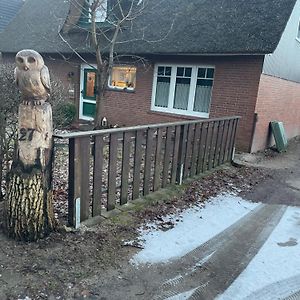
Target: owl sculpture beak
[26, 68]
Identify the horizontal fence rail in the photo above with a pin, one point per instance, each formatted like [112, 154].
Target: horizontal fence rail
[113, 166]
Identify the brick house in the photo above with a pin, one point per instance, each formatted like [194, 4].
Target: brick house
[205, 59]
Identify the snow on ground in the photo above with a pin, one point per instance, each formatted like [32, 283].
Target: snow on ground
[276, 267]
[198, 225]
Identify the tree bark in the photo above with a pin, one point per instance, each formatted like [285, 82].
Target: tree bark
[2, 133]
[28, 206]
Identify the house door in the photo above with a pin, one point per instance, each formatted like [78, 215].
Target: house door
[87, 107]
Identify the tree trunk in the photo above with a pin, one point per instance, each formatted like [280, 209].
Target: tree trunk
[99, 111]
[100, 97]
[28, 206]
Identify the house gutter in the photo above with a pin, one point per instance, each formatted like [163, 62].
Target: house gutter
[210, 54]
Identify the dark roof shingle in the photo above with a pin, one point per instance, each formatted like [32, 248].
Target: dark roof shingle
[169, 27]
[8, 10]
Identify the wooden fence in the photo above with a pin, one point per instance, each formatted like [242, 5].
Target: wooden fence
[113, 166]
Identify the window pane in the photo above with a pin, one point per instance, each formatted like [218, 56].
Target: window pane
[210, 73]
[182, 90]
[188, 72]
[90, 82]
[168, 71]
[205, 82]
[161, 71]
[203, 95]
[201, 72]
[162, 91]
[101, 12]
[123, 77]
[180, 71]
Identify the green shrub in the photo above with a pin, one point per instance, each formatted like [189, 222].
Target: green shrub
[64, 114]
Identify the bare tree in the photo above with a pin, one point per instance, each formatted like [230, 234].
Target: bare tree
[122, 15]
[119, 15]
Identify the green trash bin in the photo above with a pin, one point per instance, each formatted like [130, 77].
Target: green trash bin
[279, 135]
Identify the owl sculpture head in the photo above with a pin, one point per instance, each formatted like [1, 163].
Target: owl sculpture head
[32, 77]
[29, 60]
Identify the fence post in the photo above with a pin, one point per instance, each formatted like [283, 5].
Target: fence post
[181, 153]
[232, 150]
[79, 151]
[74, 180]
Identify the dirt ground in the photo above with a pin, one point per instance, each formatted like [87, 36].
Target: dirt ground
[59, 266]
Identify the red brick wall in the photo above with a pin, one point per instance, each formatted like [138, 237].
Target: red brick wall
[234, 93]
[68, 73]
[278, 100]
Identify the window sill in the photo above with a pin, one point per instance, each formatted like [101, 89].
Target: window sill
[180, 112]
[122, 90]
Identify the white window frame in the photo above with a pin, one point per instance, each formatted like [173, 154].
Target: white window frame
[101, 13]
[194, 77]
[81, 99]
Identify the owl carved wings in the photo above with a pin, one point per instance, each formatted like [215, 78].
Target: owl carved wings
[45, 78]
[44, 75]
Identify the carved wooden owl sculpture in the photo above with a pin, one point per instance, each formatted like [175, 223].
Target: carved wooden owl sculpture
[32, 77]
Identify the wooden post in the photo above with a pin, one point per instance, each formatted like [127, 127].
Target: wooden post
[28, 204]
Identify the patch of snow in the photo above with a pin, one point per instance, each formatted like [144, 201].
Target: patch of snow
[198, 225]
[276, 264]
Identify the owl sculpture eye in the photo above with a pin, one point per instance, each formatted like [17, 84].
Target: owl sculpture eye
[20, 60]
[31, 60]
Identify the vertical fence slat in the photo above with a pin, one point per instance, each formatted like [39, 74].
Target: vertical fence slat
[230, 140]
[222, 143]
[97, 175]
[188, 155]
[167, 156]
[112, 171]
[226, 141]
[201, 148]
[195, 149]
[73, 180]
[137, 164]
[175, 154]
[157, 168]
[148, 161]
[181, 152]
[229, 134]
[85, 178]
[206, 148]
[217, 145]
[125, 167]
[233, 139]
[211, 148]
